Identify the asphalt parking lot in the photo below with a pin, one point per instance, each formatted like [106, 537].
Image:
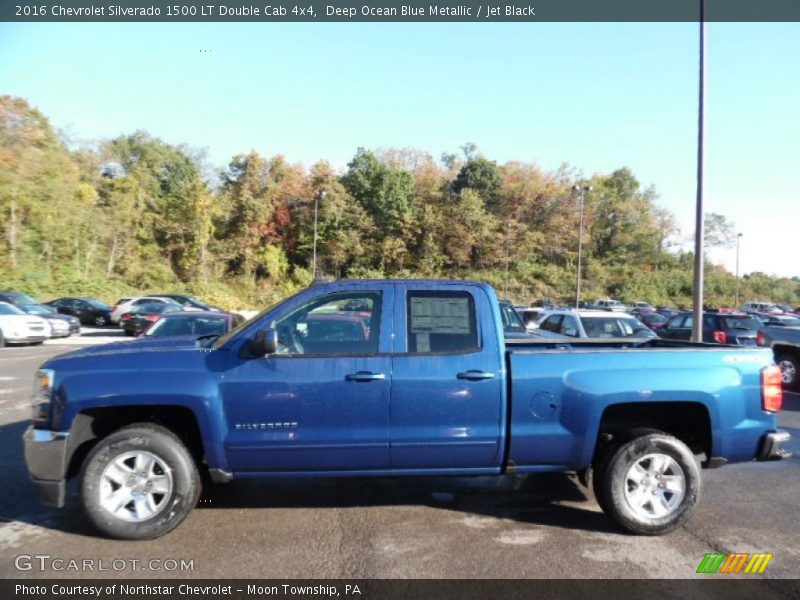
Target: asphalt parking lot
[517, 526]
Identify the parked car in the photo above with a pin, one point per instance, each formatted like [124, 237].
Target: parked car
[513, 326]
[119, 307]
[88, 310]
[643, 306]
[783, 320]
[189, 302]
[434, 390]
[61, 325]
[129, 304]
[652, 319]
[194, 323]
[718, 328]
[761, 307]
[16, 298]
[668, 311]
[606, 304]
[592, 324]
[144, 315]
[17, 327]
[785, 345]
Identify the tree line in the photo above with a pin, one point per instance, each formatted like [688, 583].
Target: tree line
[135, 214]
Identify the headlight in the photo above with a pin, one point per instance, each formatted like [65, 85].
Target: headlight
[42, 396]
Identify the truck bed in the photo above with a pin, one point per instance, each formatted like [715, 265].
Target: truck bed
[559, 393]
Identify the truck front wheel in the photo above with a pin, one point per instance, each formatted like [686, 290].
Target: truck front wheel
[649, 485]
[139, 483]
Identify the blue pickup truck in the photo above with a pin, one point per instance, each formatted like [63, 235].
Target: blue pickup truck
[391, 377]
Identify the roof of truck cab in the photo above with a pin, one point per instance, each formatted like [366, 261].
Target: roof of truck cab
[482, 284]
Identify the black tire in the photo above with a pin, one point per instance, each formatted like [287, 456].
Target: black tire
[790, 368]
[173, 506]
[100, 320]
[601, 462]
[611, 483]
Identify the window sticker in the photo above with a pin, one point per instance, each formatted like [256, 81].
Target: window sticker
[439, 315]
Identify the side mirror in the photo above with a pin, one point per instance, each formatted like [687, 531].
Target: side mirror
[265, 342]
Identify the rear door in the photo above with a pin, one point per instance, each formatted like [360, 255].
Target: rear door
[678, 328]
[448, 379]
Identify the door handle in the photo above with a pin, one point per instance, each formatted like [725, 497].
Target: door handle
[475, 375]
[365, 376]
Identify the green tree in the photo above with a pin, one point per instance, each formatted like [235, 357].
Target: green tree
[384, 192]
[482, 176]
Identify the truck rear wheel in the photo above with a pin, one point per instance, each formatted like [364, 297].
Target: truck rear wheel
[139, 483]
[649, 485]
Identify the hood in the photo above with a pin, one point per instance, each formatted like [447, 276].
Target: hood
[141, 345]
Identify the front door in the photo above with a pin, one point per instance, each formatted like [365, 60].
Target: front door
[447, 381]
[321, 403]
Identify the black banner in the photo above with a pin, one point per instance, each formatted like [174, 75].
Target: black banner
[409, 10]
[729, 588]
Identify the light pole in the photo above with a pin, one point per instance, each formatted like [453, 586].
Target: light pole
[582, 189]
[317, 198]
[736, 295]
[699, 223]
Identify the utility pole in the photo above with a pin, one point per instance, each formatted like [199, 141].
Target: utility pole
[736, 295]
[699, 224]
[318, 197]
[582, 189]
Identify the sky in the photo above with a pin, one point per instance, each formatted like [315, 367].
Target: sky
[598, 96]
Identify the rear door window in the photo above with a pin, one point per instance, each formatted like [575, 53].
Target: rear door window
[441, 323]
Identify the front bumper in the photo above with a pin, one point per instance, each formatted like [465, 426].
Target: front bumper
[27, 339]
[46, 459]
[770, 447]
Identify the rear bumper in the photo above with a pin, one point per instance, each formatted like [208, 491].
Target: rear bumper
[770, 447]
[46, 459]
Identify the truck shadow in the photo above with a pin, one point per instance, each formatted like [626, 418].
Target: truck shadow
[554, 499]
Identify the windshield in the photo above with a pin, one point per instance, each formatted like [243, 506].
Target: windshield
[36, 309]
[224, 339]
[18, 298]
[9, 309]
[615, 327]
[154, 308]
[654, 318]
[200, 326]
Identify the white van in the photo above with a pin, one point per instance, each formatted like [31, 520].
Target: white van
[762, 307]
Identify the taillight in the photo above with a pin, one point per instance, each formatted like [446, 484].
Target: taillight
[153, 317]
[114, 308]
[771, 388]
[760, 340]
[720, 337]
[126, 316]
